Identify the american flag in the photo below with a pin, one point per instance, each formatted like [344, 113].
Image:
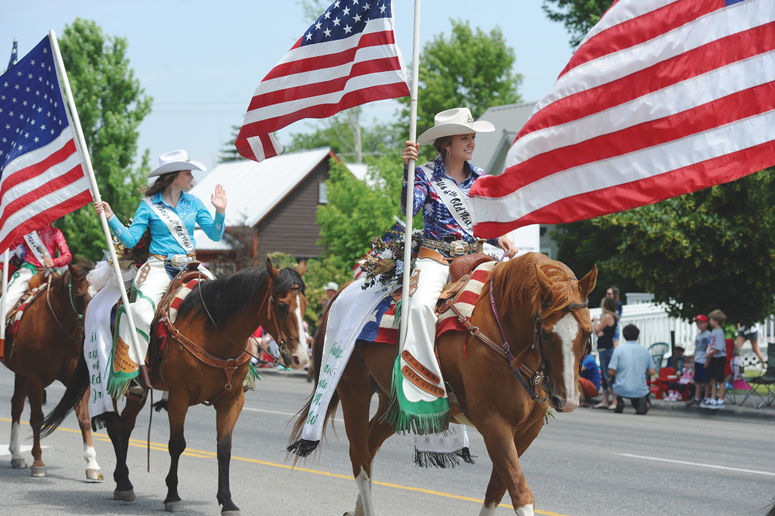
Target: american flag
[346, 58]
[41, 175]
[662, 98]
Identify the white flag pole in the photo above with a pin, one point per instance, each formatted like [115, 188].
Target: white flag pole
[81, 144]
[3, 300]
[410, 173]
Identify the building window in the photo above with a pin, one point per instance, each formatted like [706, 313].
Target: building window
[322, 193]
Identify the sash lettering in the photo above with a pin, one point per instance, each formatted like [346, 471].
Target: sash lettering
[452, 197]
[174, 224]
[36, 245]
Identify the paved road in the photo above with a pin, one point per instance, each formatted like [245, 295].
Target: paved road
[590, 462]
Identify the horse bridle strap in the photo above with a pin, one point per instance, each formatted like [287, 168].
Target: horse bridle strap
[72, 304]
[504, 351]
[228, 365]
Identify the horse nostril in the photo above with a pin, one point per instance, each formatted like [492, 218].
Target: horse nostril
[296, 361]
[558, 402]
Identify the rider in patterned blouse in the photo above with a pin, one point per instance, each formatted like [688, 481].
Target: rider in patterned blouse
[36, 250]
[441, 186]
[171, 215]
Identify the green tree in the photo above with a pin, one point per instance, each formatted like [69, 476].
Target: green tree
[468, 68]
[111, 105]
[228, 151]
[358, 211]
[578, 16]
[710, 249]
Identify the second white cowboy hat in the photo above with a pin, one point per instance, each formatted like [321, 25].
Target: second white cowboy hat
[454, 121]
[175, 161]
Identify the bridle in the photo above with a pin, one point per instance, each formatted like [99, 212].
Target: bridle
[78, 314]
[536, 378]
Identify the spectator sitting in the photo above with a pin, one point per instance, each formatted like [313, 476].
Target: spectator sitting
[630, 363]
[589, 379]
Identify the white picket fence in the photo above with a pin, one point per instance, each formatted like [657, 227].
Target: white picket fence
[655, 326]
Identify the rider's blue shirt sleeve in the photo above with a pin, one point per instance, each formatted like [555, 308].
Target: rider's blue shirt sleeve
[130, 236]
[213, 227]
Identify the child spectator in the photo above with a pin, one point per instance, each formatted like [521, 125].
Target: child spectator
[589, 379]
[701, 390]
[716, 361]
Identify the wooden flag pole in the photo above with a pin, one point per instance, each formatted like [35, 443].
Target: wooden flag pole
[410, 174]
[81, 144]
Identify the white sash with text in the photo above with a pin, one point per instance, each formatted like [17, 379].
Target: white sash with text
[36, 245]
[452, 197]
[174, 224]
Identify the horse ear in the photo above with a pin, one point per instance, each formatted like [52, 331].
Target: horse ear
[302, 267]
[587, 283]
[544, 285]
[270, 269]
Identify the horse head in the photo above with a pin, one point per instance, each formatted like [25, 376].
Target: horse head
[562, 329]
[287, 305]
[79, 291]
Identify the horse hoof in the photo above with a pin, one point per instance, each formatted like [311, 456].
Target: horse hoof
[172, 506]
[18, 464]
[124, 496]
[226, 512]
[94, 475]
[38, 471]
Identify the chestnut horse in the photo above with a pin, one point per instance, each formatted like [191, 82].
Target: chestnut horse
[47, 346]
[537, 316]
[218, 317]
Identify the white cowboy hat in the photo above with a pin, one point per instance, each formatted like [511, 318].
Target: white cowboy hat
[175, 161]
[332, 286]
[454, 121]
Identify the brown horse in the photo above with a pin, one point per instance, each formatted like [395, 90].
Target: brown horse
[46, 346]
[538, 317]
[214, 321]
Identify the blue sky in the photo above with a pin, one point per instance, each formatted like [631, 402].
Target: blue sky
[201, 60]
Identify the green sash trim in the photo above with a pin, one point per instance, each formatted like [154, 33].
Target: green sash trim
[421, 417]
[251, 377]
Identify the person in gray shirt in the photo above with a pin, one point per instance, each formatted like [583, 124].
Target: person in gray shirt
[629, 366]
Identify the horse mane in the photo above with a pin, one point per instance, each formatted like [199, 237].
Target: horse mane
[225, 296]
[516, 281]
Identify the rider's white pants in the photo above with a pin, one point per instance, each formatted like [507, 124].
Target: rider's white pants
[17, 286]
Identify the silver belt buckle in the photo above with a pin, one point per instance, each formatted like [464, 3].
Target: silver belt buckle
[458, 247]
[180, 260]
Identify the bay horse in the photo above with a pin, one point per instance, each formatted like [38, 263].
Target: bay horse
[534, 314]
[46, 346]
[213, 326]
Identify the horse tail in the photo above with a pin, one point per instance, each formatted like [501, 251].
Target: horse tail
[79, 383]
[296, 445]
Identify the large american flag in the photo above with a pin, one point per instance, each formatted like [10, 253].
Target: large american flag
[346, 58]
[41, 175]
[662, 98]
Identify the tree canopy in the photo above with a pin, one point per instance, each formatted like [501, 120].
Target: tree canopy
[111, 105]
[469, 68]
[578, 16]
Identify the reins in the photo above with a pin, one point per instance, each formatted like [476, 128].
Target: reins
[521, 371]
[72, 304]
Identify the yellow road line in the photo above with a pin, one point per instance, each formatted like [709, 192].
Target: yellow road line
[203, 454]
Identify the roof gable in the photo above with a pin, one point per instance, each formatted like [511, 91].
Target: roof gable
[254, 188]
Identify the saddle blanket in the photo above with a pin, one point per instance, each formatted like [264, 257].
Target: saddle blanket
[384, 326]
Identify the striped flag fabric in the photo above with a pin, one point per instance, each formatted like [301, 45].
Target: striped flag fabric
[41, 172]
[661, 98]
[346, 58]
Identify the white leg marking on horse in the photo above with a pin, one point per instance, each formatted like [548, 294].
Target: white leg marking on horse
[90, 456]
[13, 446]
[364, 492]
[488, 510]
[567, 329]
[526, 510]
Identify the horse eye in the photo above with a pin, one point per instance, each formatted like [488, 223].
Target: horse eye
[283, 308]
